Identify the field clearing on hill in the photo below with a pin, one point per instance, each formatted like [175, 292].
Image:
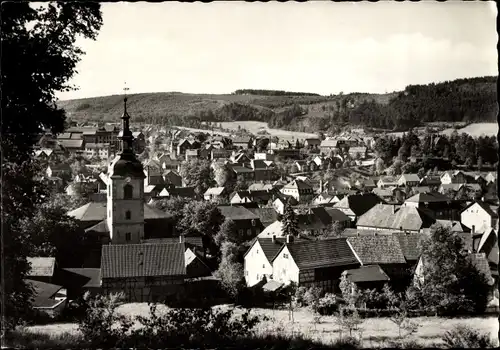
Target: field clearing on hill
[254, 127]
[375, 331]
[204, 131]
[476, 130]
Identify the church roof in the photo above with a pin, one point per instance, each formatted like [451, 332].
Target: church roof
[126, 164]
[96, 211]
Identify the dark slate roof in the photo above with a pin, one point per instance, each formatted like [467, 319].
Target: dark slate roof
[359, 203]
[237, 213]
[142, 260]
[378, 249]
[193, 241]
[96, 211]
[379, 216]
[101, 227]
[411, 218]
[409, 245]
[266, 215]
[269, 247]
[369, 273]
[430, 197]
[323, 253]
[89, 277]
[43, 293]
[71, 143]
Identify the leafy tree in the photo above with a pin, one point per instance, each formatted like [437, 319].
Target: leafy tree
[421, 173]
[290, 222]
[228, 232]
[230, 271]
[222, 174]
[451, 283]
[174, 206]
[200, 218]
[197, 173]
[479, 163]
[54, 234]
[39, 57]
[336, 229]
[379, 165]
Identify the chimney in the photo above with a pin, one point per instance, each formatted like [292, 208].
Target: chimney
[273, 239]
[321, 189]
[289, 239]
[473, 230]
[401, 228]
[181, 239]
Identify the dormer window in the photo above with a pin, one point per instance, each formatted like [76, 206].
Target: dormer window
[127, 191]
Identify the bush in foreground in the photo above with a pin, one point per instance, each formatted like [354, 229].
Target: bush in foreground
[465, 337]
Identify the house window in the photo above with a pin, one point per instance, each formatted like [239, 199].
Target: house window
[285, 256]
[240, 231]
[127, 191]
[249, 232]
[128, 214]
[263, 266]
[254, 223]
[128, 236]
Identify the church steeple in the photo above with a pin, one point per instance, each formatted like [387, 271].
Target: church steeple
[126, 135]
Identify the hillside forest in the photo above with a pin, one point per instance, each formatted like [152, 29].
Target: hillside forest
[462, 100]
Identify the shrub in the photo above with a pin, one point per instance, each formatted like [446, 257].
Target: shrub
[348, 318]
[328, 305]
[299, 295]
[312, 297]
[98, 325]
[463, 337]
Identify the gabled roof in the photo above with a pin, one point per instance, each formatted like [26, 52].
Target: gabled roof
[410, 177]
[388, 179]
[298, 185]
[378, 249]
[142, 260]
[409, 245]
[329, 143]
[41, 267]
[71, 143]
[323, 253]
[237, 213]
[44, 293]
[188, 241]
[381, 215]
[266, 215]
[337, 215]
[260, 187]
[270, 248]
[179, 191]
[486, 207]
[217, 191]
[411, 218]
[370, 273]
[96, 211]
[359, 203]
[428, 197]
[89, 277]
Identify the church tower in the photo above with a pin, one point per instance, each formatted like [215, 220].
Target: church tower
[125, 193]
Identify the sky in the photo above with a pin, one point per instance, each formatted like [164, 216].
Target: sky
[320, 47]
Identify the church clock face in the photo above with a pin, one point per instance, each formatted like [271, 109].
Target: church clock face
[127, 180]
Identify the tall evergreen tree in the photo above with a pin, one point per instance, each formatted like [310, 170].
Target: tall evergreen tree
[290, 222]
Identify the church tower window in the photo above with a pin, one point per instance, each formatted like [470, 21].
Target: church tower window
[127, 191]
[128, 215]
[128, 236]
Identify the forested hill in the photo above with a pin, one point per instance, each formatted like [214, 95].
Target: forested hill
[469, 100]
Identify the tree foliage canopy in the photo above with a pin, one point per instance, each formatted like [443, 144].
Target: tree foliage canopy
[39, 56]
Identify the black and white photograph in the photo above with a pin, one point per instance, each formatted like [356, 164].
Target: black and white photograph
[249, 175]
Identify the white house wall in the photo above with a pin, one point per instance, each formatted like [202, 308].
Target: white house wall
[284, 268]
[256, 265]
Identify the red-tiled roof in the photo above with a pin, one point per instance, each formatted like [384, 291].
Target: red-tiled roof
[142, 260]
